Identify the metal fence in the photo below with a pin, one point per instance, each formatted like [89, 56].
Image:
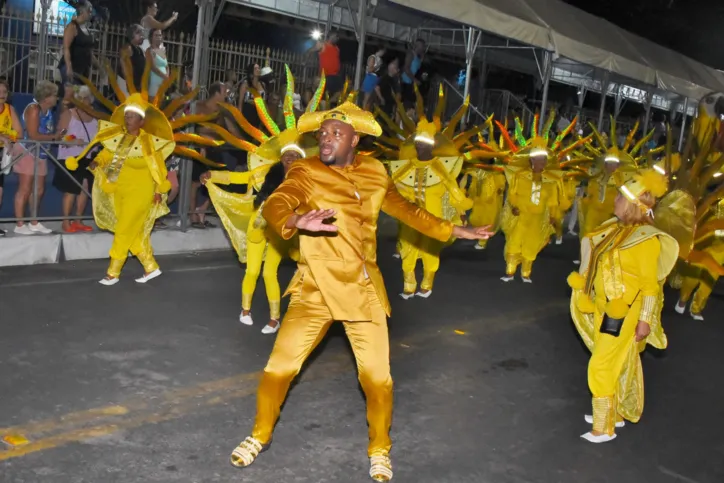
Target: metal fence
[26, 55]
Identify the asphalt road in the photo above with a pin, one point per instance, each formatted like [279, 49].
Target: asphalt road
[156, 383]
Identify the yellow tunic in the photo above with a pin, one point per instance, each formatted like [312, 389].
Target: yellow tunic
[624, 266]
[338, 280]
[430, 185]
[486, 190]
[537, 198]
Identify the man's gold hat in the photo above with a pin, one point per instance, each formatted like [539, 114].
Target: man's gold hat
[362, 121]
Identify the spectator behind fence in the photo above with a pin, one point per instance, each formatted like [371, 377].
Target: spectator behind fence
[374, 63]
[413, 62]
[78, 46]
[81, 127]
[39, 126]
[159, 64]
[389, 87]
[149, 22]
[10, 130]
[132, 51]
[246, 98]
[330, 64]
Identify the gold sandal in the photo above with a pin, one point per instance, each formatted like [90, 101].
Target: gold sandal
[247, 452]
[380, 467]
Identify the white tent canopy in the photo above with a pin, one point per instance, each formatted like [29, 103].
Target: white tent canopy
[579, 36]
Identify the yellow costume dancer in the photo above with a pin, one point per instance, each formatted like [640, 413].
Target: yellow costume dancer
[430, 160]
[613, 168]
[617, 300]
[535, 194]
[241, 214]
[333, 201]
[487, 186]
[129, 191]
[700, 188]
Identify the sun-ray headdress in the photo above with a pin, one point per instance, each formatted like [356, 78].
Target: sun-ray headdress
[157, 122]
[690, 212]
[564, 158]
[629, 156]
[266, 149]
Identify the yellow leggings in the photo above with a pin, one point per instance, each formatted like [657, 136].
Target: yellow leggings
[413, 246]
[703, 284]
[305, 325]
[254, 259]
[133, 201]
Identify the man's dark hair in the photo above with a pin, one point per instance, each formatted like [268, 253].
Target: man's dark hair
[215, 88]
[148, 4]
[421, 40]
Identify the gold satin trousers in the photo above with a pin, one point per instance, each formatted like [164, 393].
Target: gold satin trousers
[305, 324]
[701, 286]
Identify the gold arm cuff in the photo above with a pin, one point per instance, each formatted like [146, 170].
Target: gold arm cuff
[647, 308]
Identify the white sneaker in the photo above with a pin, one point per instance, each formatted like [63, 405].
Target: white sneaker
[508, 278]
[246, 319]
[109, 282]
[527, 280]
[149, 277]
[576, 262]
[696, 316]
[572, 233]
[604, 438]
[559, 241]
[23, 230]
[396, 255]
[407, 296]
[424, 295]
[589, 420]
[268, 329]
[479, 247]
[39, 228]
[680, 308]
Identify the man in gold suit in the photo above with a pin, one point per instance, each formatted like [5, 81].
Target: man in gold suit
[333, 202]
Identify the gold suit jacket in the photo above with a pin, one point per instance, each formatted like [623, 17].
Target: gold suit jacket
[339, 263]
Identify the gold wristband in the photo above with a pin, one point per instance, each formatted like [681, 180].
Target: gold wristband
[647, 308]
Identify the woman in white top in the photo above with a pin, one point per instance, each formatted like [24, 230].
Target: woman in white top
[149, 22]
[75, 185]
[156, 56]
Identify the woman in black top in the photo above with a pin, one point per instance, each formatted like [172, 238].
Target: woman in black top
[78, 45]
[246, 98]
[132, 50]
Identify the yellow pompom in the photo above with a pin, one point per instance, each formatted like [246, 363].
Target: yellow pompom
[617, 309]
[71, 163]
[165, 186]
[654, 182]
[576, 281]
[585, 304]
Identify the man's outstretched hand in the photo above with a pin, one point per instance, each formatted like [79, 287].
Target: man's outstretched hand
[472, 232]
[313, 221]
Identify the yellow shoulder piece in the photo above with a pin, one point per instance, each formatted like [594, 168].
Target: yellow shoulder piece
[669, 247]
